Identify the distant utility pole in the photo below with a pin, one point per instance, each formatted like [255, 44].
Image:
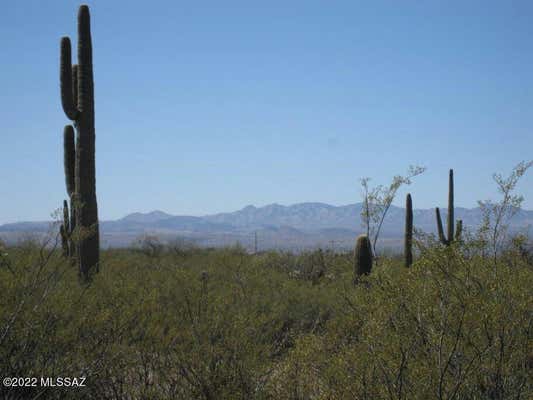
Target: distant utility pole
[332, 243]
[255, 242]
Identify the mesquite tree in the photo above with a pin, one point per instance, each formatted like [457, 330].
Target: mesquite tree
[377, 201]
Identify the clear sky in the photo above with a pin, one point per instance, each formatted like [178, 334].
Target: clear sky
[208, 106]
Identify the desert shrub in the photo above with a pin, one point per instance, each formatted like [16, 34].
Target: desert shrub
[150, 246]
[182, 247]
[447, 328]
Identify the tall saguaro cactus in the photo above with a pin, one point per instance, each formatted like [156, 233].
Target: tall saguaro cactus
[450, 219]
[77, 99]
[408, 237]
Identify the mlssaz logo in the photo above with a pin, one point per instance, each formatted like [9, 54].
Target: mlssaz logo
[63, 382]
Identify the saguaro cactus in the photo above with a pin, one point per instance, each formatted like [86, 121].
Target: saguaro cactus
[77, 99]
[362, 257]
[450, 219]
[408, 237]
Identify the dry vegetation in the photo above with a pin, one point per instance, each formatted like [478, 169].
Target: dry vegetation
[223, 324]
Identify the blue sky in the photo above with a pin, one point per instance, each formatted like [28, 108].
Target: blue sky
[208, 106]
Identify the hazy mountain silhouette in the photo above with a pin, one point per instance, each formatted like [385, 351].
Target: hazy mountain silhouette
[295, 226]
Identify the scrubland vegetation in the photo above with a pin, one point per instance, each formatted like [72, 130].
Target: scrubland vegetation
[224, 324]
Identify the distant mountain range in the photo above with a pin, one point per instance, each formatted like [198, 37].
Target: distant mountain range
[298, 226]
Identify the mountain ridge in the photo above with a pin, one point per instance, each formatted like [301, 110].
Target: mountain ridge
[306, 224]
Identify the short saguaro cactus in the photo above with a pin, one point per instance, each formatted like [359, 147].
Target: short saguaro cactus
[450, 219]
[362, 257]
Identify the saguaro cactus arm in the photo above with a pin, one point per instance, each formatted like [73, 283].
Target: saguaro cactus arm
[66, 217]
[65, 231]
[69, 155]
[440, 229]
[75, 84]
[65, 77]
